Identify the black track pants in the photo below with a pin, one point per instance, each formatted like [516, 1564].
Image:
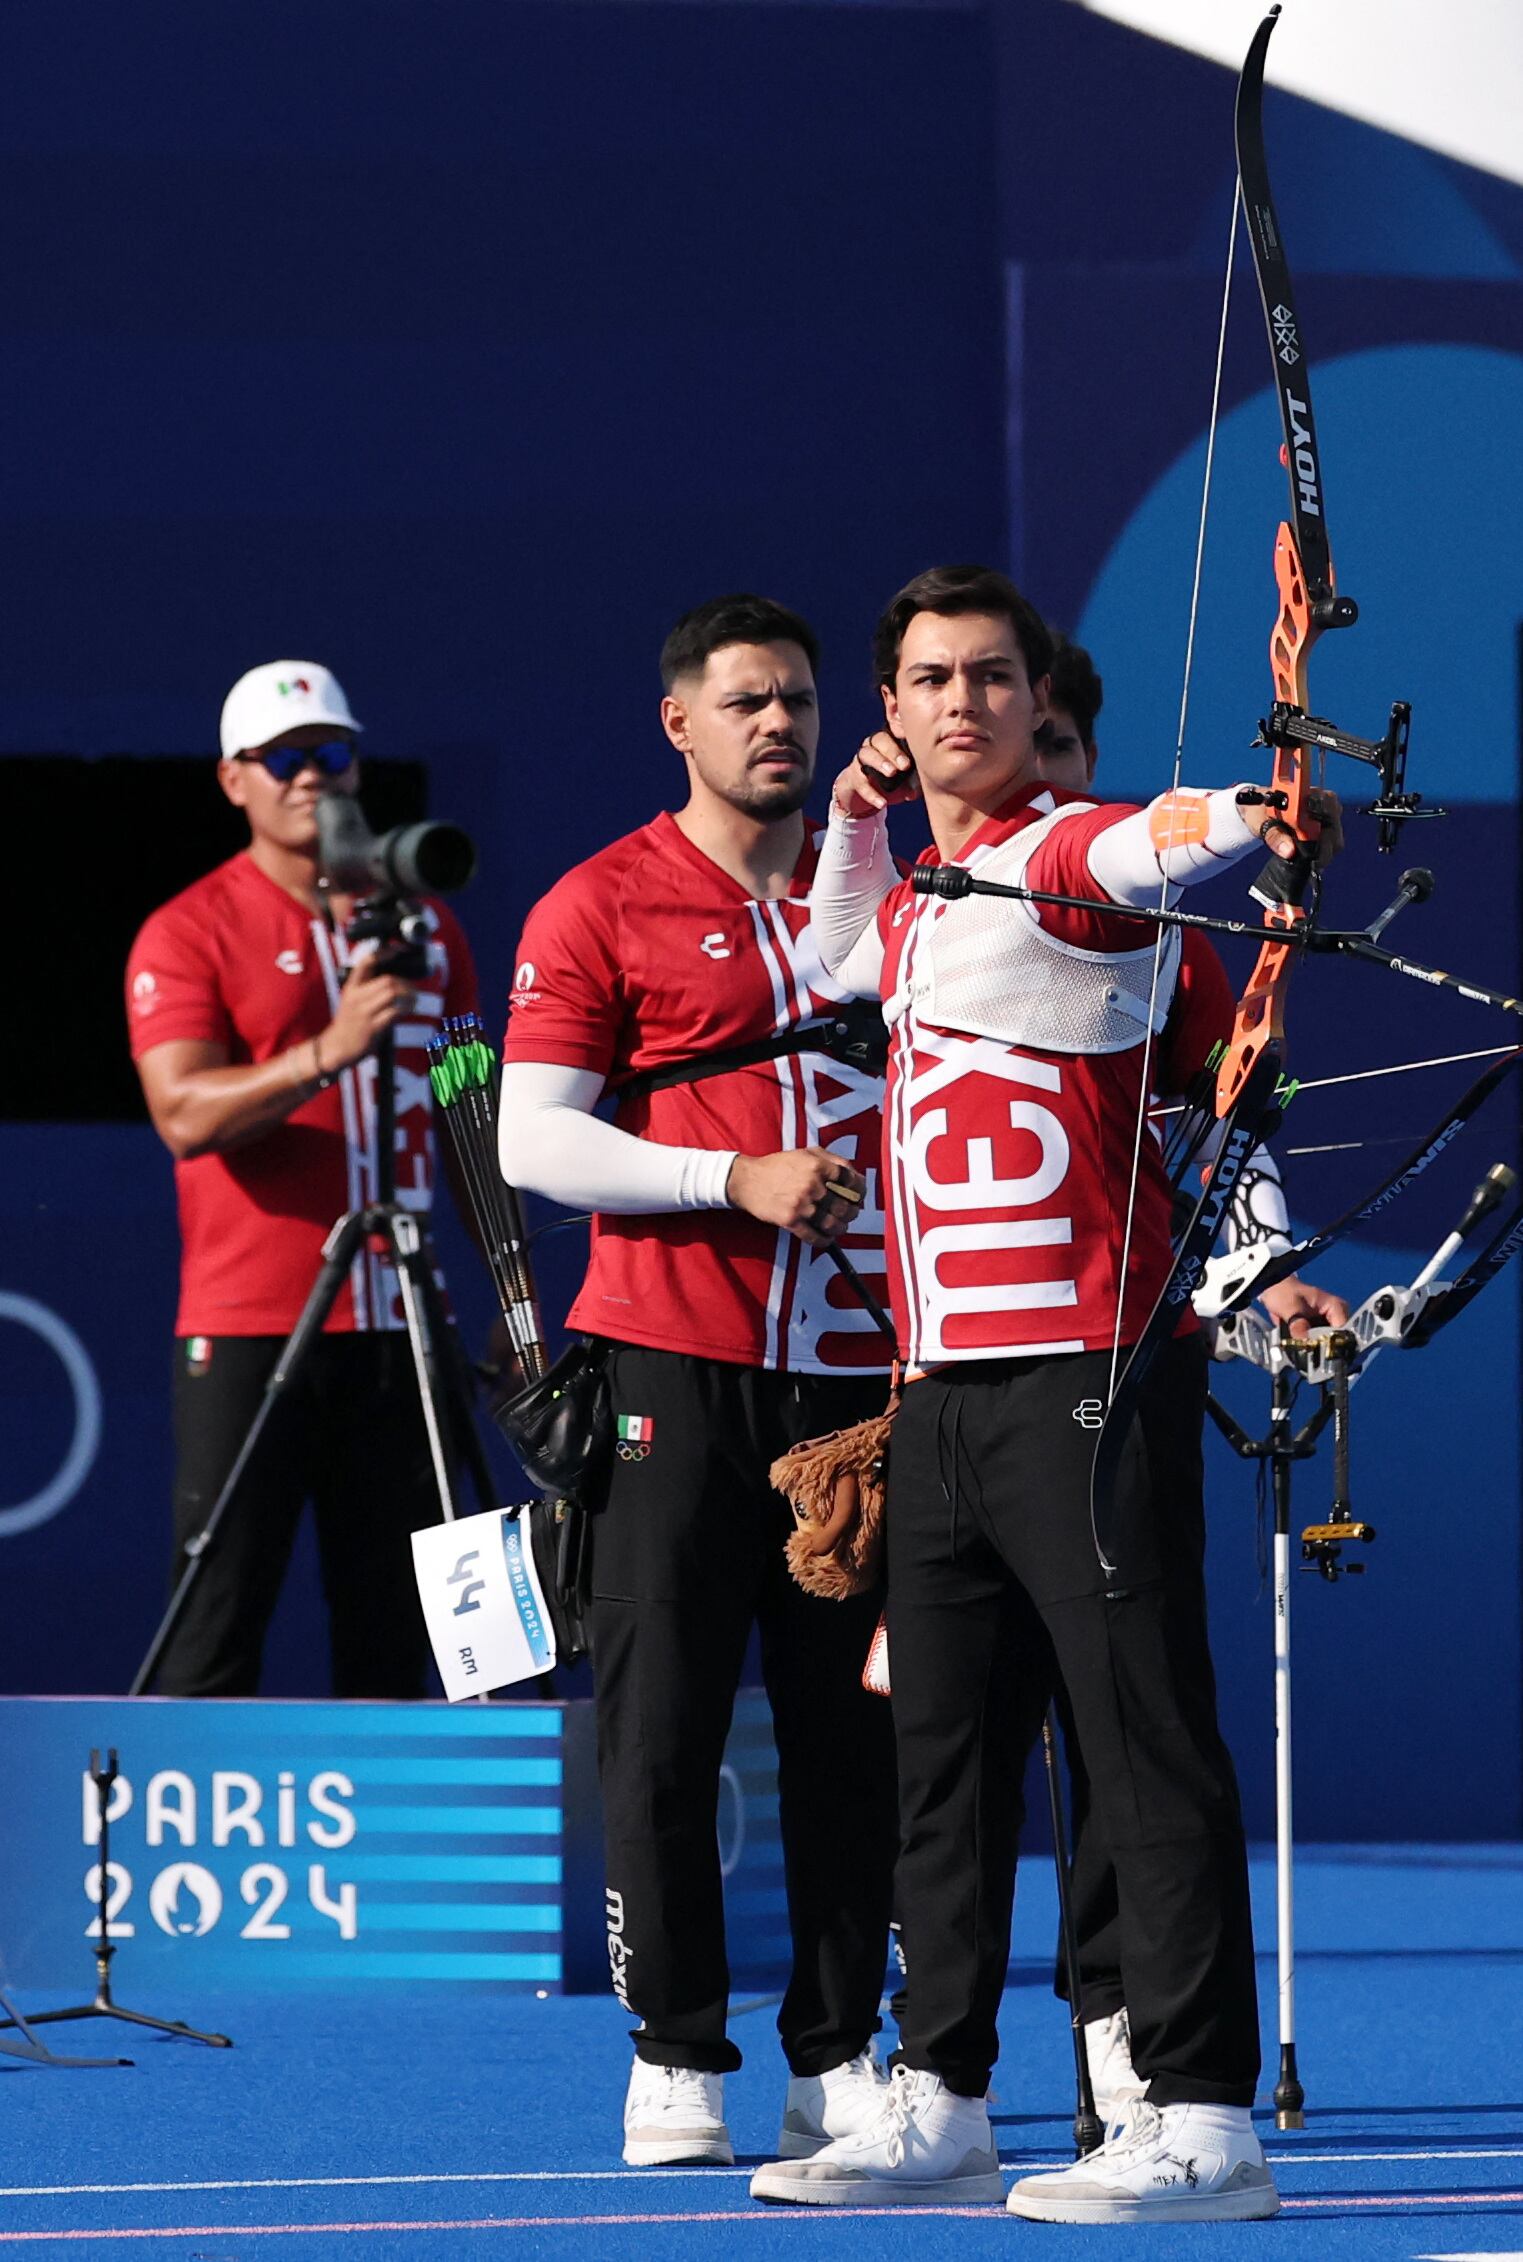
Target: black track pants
[1096, 1910]
[1092, 1890]
[687, 1555]
[993, 1586]
[349, 1437]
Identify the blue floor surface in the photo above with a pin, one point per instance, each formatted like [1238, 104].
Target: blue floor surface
[434, 2125]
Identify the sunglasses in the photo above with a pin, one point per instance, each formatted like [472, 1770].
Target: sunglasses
[284, 763]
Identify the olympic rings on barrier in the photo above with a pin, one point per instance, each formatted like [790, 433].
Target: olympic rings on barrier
[77, 1463]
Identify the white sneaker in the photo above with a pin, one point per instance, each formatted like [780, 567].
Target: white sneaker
[821, 2107]
[926, 2145]
[1114, 2079]
[673, 2114]
[1170, 2164]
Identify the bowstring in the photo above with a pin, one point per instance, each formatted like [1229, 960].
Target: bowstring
[1150, 1038]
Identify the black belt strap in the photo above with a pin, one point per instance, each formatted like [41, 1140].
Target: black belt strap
[855, 1036]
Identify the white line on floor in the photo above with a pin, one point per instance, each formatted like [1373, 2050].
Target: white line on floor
[1298, 2158]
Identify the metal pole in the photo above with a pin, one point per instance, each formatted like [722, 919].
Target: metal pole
[1289, 2096]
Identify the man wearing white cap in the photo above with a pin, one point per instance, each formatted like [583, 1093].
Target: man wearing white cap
[253, 1031]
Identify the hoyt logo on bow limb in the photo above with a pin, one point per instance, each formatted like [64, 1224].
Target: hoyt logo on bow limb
[1234, 1156]
[1308, 485]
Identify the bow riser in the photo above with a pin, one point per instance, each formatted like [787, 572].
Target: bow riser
[1260, 1020]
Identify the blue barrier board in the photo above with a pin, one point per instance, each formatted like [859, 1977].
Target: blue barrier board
[265, 1845]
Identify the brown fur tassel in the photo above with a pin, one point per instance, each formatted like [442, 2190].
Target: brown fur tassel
[835, 1487]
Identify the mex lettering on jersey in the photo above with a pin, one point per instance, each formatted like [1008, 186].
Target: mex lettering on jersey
[1007, 1170]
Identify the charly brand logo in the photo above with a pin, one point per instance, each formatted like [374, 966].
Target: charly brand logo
[185, 1899]
[619, 1950]
[1089, 1413]
[289, 961]
[636, 1435]
[715, 946]
[145, 992]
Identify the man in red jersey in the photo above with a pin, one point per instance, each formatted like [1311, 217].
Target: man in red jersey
[253, 1032]
[1022, 1267]
[733, 1337]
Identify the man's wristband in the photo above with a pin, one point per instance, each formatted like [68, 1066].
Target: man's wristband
[318, 1075]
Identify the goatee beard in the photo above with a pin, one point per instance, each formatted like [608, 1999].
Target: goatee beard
[771, 802]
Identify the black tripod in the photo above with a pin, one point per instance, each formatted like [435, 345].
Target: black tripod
[436, 1359]
[1088, 2132]
[102, 2006]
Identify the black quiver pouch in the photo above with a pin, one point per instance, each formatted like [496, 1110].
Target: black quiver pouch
[561, 1428]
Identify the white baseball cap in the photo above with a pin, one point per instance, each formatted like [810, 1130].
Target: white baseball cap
[280, 696]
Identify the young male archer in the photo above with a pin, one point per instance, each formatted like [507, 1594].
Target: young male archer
[1028, 1243]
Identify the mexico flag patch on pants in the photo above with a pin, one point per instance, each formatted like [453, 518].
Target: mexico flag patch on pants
[636, 1432]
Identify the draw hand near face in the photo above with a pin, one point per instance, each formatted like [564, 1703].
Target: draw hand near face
[880, 774]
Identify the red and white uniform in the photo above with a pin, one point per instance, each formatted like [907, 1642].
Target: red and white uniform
[236, 961]
[649, 954]
[1200, 1015]
[1010, 1166]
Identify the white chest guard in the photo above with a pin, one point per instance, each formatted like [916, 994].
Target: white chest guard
[989, 969]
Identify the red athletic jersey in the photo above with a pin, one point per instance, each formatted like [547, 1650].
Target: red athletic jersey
[647, 954]
[1201, 1015]
[1009, 1167]
[237, 961]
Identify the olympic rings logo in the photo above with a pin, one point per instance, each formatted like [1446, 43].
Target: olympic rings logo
[85, 1388]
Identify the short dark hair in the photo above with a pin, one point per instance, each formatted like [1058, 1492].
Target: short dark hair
[961, 589]
[740, 619]
[1076, 686]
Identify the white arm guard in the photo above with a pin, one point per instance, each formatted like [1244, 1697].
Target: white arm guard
[1200, 833]
[856, 871]
[550, 1142]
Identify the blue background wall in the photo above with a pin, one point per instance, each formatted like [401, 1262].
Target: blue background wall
[464, 347]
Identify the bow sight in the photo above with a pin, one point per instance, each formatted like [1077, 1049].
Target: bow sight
[1287, 725]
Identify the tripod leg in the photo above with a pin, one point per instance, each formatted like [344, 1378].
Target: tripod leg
[338, 1255]
[458, 1391]
[1087, 2130]
[410, 1259]
[1289, 2096]
[36, 2052]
